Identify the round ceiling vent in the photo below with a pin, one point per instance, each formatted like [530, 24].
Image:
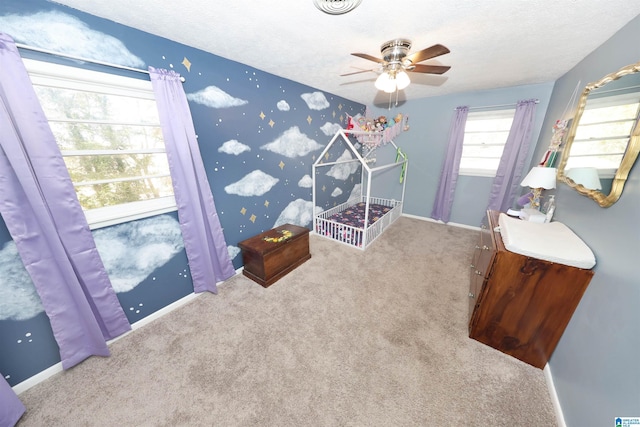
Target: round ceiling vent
[336, 7]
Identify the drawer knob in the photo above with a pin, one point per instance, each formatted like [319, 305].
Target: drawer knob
[477, 247]
[471, 295]
[472, 266]
[479, 273]
[485, 247]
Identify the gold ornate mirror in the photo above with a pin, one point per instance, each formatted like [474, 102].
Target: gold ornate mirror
[604, 139]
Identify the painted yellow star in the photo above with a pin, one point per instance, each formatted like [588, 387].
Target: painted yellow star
[187, 64]
[262, 115]
[339, 106]
[266, 203]
[326, 156]
[324, 188]
[252, 218]
[243, 211]
[271, 123]
[334, 114]
[309, 119]
[281, 164]
[341, 118]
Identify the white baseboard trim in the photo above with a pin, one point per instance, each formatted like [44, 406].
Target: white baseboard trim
[554, 396]
[57, 368]
[453, 224]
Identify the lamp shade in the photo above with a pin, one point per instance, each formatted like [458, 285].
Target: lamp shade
[385, 83]
[587, 177]
[402, 80]
[540, 177]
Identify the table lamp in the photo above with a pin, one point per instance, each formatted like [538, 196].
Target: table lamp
[538, 178]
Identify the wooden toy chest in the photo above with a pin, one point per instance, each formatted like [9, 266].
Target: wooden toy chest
[267, 260]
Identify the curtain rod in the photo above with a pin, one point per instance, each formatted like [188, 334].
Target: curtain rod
[497, 106]
[78, 58]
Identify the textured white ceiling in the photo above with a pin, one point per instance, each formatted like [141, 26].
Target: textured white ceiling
[493, 43]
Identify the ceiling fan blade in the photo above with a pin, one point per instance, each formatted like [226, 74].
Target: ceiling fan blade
[369, 57]
[430, 69]
[428, 53]
[357, 72]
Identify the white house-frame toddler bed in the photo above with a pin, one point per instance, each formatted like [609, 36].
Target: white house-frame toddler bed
[360, 220]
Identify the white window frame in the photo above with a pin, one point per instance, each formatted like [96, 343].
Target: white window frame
[505, 113]
[65, 77]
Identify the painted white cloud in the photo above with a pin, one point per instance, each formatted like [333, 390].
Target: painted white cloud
[342, 171]
[336, 192]
[255, 183]
[292, 143]
[330, 129]
[234, 147]
[18, 297]
[305, 182]
[69, 35]
[214, 97]
[133, 250]
[356, 194]
[233, 251]
[299, 212]
[315, 100]
[130, 253]
[283, 105]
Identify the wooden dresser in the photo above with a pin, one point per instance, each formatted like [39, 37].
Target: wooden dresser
[518, 304]
[267, 260]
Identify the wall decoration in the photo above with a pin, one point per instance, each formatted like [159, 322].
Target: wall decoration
[258, 135]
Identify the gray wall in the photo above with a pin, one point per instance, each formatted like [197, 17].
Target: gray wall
[426, 143]
[596, 366]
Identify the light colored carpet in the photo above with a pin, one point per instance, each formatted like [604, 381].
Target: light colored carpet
[350, 338]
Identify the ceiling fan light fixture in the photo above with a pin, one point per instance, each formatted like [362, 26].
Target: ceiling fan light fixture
[402, 80]
[385, 83]
[389, 82]
[336, 7]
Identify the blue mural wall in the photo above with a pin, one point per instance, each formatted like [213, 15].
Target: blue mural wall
[259, 135]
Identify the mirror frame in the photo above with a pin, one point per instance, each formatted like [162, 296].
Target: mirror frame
[628, 159]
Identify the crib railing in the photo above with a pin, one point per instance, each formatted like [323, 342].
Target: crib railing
[353, 236]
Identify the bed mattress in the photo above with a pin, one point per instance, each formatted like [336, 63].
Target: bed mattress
[354, 215]
[551, 241]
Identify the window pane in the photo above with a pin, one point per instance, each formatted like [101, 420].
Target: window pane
[62, 104]
[491, 151]
[488, 125]
[483, 138]
[486, 133]
[114, 193]
[114, 167]
[479, 164]
[108, 131]
[91, 136]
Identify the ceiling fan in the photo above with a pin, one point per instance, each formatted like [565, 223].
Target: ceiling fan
[396, 62]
